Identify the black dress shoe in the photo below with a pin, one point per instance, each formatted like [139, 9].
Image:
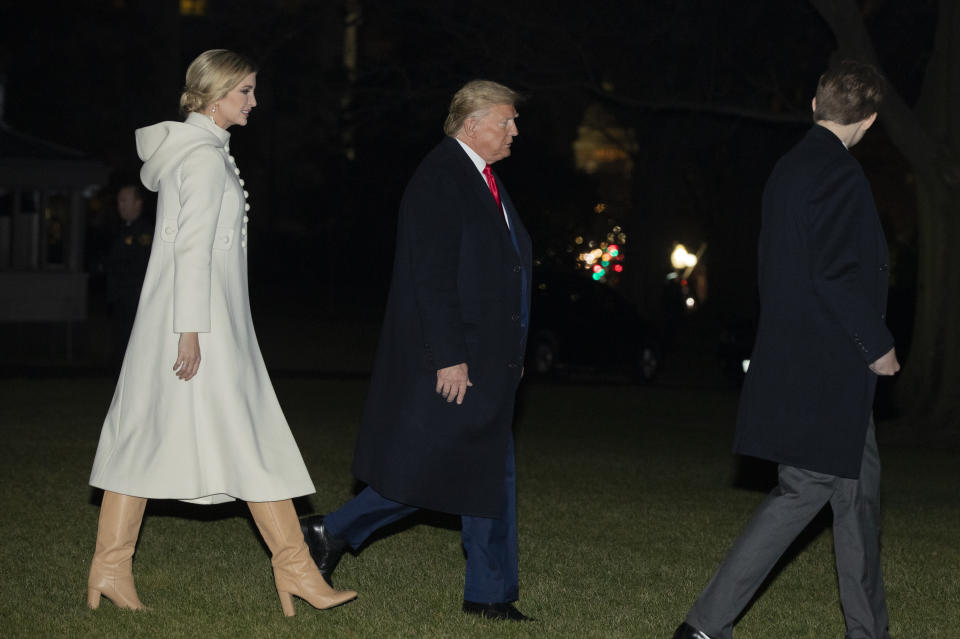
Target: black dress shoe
[501, 611]
[325, 549]
[686, 631]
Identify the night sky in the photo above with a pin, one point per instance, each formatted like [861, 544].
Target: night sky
[702, 95]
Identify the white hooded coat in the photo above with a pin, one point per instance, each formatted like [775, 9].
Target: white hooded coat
[221, 435]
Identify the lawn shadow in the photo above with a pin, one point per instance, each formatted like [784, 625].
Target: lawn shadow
[175, 508]
[756, 474]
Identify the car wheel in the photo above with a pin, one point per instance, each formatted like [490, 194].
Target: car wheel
[544, 357]
[648, 363]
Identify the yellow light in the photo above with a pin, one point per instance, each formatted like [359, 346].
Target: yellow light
[679, 257]
[193, 7]
[690, 302]
[578, 240]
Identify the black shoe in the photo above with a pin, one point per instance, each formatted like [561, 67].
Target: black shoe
[501, 611]
[686, 631]
[325, 549]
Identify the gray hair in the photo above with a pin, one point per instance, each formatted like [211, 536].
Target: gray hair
[473, 99]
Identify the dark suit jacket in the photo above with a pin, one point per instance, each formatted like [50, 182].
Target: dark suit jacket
[457, 295]
[823, 270]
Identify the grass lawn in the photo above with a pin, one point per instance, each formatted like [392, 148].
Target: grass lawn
[628, 499]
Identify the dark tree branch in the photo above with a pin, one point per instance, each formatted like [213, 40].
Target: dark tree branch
[681, 106]
[853, 41]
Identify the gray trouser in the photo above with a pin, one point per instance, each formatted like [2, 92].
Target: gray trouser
[789, 508]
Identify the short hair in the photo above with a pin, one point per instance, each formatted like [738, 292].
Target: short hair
[849, 92]
[212, 75]
[473, 99]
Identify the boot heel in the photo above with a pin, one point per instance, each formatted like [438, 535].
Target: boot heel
[286, 602]
[93, 598]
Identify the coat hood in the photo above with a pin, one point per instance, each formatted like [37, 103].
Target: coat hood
[163, 146]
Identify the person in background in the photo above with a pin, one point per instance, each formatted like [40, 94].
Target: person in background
[126, 264]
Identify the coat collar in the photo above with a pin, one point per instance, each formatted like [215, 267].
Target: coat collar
[825, 135]
[206, 123]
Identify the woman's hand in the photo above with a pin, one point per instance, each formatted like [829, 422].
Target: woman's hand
[188, 356]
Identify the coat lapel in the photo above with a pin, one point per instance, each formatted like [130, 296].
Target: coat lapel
[474, 182]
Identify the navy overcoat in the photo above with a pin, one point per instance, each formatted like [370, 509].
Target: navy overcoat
[460, 288]
[823, 271]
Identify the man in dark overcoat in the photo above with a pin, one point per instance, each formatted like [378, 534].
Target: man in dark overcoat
[821, 343]
[437, 425]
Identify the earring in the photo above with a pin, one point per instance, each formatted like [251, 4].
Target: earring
[213, 109]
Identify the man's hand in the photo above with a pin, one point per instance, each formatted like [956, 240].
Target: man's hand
[887, 364]
[188, 356]
[452, 382]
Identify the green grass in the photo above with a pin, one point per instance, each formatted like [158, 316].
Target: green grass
[627, 500]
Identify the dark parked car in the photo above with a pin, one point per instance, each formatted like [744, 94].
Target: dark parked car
[736, 346]
[577, 323]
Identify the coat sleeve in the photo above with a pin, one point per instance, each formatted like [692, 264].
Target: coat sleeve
[841, 215]
[434, 221]
[203, 176]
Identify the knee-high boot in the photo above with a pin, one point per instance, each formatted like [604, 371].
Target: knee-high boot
[111, 571]
[293, 570]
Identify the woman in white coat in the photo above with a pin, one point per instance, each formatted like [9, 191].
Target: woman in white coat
[208, 430]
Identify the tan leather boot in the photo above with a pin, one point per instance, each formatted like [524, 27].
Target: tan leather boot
[293, 570]
[111, 571]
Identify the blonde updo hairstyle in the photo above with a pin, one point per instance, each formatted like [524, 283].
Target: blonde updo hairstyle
[212, 75]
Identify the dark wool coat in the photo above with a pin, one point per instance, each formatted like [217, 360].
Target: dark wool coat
[457, 295]
[823, 270]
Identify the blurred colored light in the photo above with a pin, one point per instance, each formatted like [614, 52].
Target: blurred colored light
[690, 302]
[605, 257]
[605, 263]
[597, 268]
[614, 250]
[618, 268]
[597, 276]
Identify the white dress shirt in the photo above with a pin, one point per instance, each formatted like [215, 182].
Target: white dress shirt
[481, 164]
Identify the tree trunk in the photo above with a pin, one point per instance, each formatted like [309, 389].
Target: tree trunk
[928, 137]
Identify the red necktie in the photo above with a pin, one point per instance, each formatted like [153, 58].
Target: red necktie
[488, 173]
